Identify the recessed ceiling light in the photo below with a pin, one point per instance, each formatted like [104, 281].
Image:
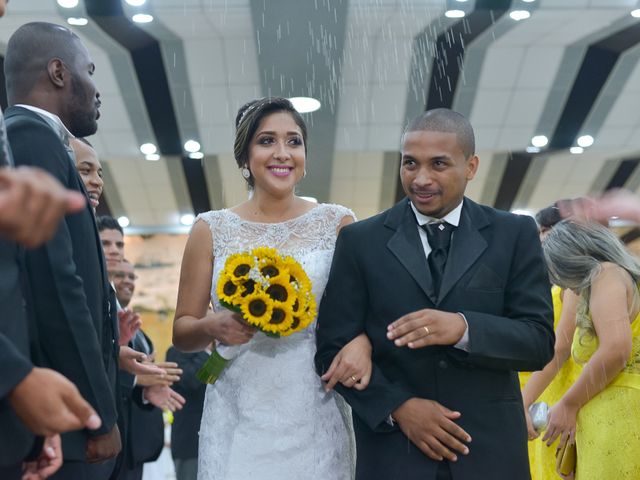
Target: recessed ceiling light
[80, 21]
[142, 18]
[310, 199]
[539, 141]
[152, 157]
[187, 219]
[196, 155]
[191, 146]
[576, 150]
[454, 13]
[148, 148]
[123, 221]
[305, 104]
[518, 15]
[528, 1]
[136, 3]
[68, 3]
[635, 13]
[585, 141]
[532, 149]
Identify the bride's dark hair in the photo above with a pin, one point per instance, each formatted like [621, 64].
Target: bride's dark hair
[248, 119]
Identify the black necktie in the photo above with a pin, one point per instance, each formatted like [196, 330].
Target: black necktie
[439, 236]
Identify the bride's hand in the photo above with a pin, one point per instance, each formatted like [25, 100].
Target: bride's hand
[351, 366]
[229, 328]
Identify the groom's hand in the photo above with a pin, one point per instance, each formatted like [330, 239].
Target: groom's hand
[432, 429]
[427, 327]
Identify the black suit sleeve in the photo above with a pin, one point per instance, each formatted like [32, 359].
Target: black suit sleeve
[70, 341]
[14, 366]
[522, 339]
[342, 316]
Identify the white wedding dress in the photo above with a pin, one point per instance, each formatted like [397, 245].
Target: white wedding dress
[267, 417]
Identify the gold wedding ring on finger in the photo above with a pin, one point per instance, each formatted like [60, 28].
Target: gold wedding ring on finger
[353, 377]
[426, 330]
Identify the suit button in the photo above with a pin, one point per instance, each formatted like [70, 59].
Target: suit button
[443, 364]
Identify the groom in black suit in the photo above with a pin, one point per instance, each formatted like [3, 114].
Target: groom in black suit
[455, 299]
[53, 97]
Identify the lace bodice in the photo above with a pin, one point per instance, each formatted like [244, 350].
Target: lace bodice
[267, 416]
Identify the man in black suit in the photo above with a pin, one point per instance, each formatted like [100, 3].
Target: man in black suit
[186, 422]
[53, 97]
[455, 300]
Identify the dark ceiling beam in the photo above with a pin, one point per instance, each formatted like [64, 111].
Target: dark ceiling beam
[630, 236]
[149, 66]
[449, 51]
[597, 66]
[626, 168]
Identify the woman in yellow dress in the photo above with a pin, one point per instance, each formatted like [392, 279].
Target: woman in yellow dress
[549, 384]
[599, 412]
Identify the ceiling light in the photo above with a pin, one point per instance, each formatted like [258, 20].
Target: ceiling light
[454, 14]
[305, 104]
[148, 148]
[123, 221]
[68, 3]
[196, 155]
[585, 141]
[152, 157]
[532, 149]
[191, 146]
[528, 1]
[539, 141]
[187, 219]
[136, 3]
[576, 150]
[310, 199]
[80, 21]
[142, 18]
[518, 15]
[635, 13]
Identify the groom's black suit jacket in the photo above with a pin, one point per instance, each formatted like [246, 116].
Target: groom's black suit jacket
[495, 276]
[71, 330]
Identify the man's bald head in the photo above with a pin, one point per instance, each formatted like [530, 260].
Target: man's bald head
[47, 66]
[446, 121]
[29, 51]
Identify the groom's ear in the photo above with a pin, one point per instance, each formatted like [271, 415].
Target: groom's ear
[472, 166]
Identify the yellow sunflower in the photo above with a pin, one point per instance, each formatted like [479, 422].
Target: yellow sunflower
[239, 265]
[297, 274]
[256, 309]
[280, 321]
[226, 289]
[265, 253]
[281, 291]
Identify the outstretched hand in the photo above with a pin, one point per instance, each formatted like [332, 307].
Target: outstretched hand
[427, 327]
[32, 203]
[164, 397]
[132, 362]
[47, 463]
[351, 366]
[129, 323]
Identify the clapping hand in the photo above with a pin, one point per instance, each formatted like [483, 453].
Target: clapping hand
[129, 323]
[432, 428]
[427, 327]
[351, 366]
[164, 397]
[132, 362]
[32, 203]
[171, 375]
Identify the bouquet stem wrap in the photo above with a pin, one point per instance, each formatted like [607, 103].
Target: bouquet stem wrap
[217, 361]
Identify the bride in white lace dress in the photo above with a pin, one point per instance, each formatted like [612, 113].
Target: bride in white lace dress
[268, 416]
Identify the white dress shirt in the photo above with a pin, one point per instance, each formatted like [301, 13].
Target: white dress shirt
[452, 218]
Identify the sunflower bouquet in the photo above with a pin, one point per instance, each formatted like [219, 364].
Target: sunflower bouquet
[271, 292]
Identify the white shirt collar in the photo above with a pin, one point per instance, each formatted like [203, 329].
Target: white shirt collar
[453, 217]
[56, 119]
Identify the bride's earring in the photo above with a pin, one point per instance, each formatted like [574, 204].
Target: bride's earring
[304, 173]
[246, 173]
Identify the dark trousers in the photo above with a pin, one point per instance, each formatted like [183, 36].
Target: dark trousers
[134, 473]
[11, 473]
[84, 471]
